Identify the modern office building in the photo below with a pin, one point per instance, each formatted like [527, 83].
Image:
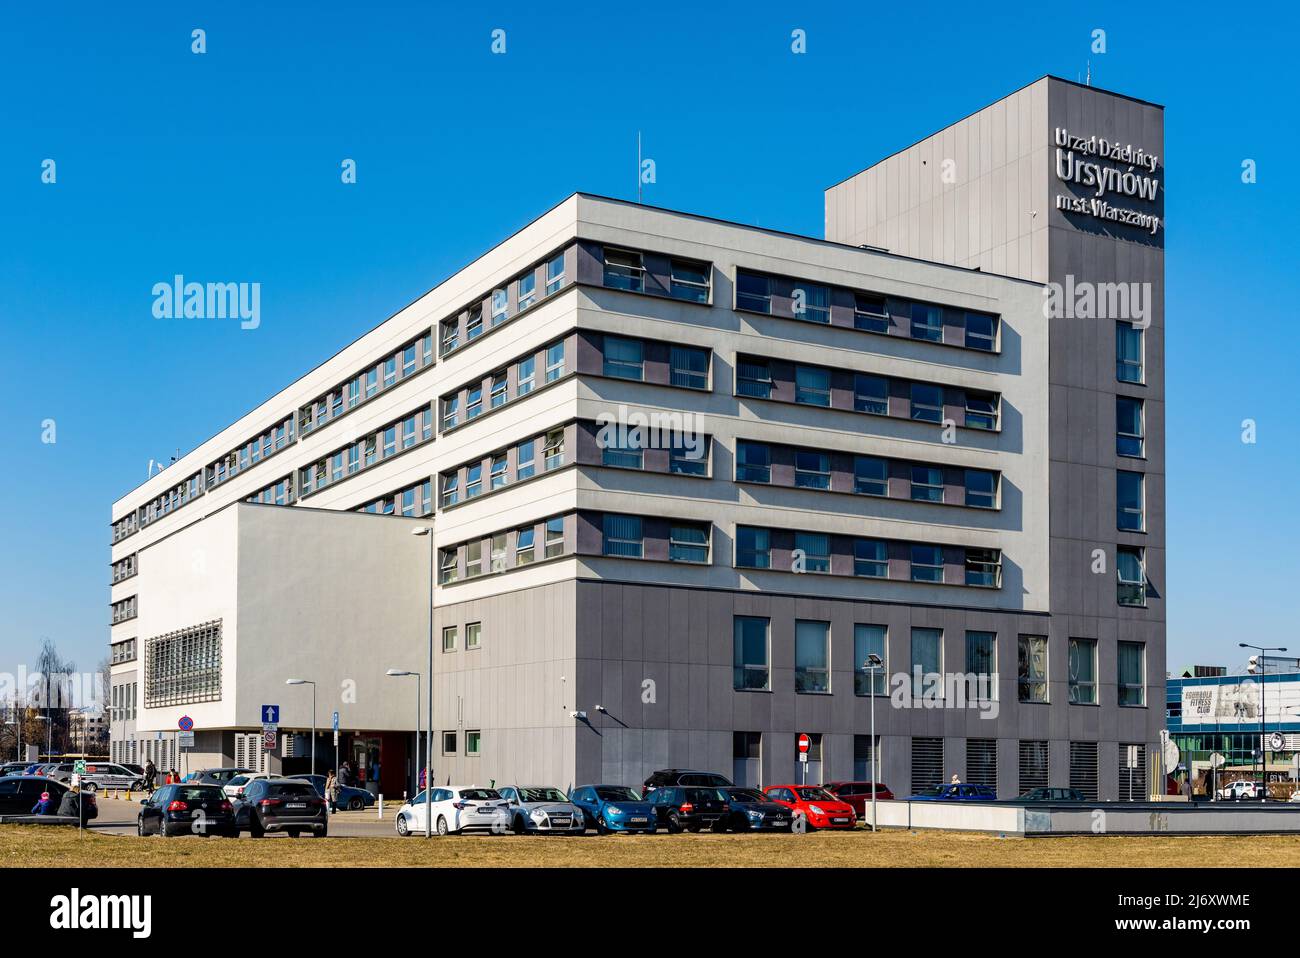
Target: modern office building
[684, 476]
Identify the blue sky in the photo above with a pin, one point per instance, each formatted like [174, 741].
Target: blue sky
[225, 166]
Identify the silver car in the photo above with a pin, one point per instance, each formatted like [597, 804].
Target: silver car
[541, 808]
[99, 775]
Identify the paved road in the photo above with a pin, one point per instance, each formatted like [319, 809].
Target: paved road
[118, 817]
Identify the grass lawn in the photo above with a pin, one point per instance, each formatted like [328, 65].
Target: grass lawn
[42, 847]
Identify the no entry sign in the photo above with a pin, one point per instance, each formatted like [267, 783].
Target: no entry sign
[805, 743]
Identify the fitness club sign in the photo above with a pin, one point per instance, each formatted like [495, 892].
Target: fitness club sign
[1106, 170]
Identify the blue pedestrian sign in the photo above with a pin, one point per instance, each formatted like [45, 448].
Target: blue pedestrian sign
[270, 715]
[336, 721]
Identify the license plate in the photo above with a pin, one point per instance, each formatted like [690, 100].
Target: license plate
[296, 805]
[638, 821]
[560, 821]
[839, 821]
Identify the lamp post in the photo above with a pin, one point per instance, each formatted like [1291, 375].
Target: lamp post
[49, 734]
[1263, 728]
[874, 665]
[313, 717]
[398, 673]
[428, 738]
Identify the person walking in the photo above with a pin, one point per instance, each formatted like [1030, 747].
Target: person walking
[150, 775]
[332, 791]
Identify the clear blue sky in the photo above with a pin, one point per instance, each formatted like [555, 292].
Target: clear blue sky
[225, 166]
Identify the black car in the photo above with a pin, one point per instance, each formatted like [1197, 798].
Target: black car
[1048, 796]
[689, 807]
[187, 809]
[20, 793]
[684, 776]
[217, 776]
[281, 805]
[752, 811]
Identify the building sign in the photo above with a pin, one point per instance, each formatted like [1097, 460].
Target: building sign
[1109, 173]
[1237, 703]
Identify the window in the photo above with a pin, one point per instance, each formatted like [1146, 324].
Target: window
[627, 454]
[812, 303]
[689, 460]
[754, 378]
[473, 402]
[927, 402]
[1128, 353]
[408, 432]
[981, 489]
[473, 742]
[527, 292]
[554, 536]
[449, 639]
[554, 361]
[473, 480]
[524, 466]
[750, 651]
[870, 476]
[812, 657]
[927, 656]
[870, 558]
[1128, 427]
[927, 484]
[812, 386]
[927, 563]
[870, 313]
[447, 570]
[688, 542]
[812, 470]
[527, 373]
[1131, 571]
[624, 270]
[554, 273]
[448, 743]
[871, 394]
[1083, 671]
[816, 549]
[500, 303]
[984, 568]
[474, 323]
[753, 462]
[753, 292]
[753, 548]
[473, 635]
[496, 560]
[390, 372]
[498, 476]
[981, 331]
[450, 490]
[868, 640]
[449, 337]
[927, 323]
[473, 558]
[624, 358]
[181, 667]
[524, 545]
[690, 281]
[981, 410]
[1129, 501]
[689, 367]
[1131, 679]
[497, 396]
[981, 666]
[622, 536]
[1031, 668]
[450, 412]
[553, 449]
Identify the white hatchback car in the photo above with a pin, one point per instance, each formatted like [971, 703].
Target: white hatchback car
[235, 787]
[456, 809]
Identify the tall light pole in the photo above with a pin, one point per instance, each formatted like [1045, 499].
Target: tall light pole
[313, 717]
[48, 735]
[398, 673]
[874, 664]
[428, 739]
[1263, 729]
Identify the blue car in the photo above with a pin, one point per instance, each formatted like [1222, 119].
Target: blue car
[954, 793]
[614, 808]
[353, 799]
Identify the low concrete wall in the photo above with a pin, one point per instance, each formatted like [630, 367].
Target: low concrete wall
[1100, 818]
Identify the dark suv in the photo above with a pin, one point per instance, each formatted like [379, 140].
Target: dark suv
[684, 776]
[187, 809]
[281, 805]
[690, 807]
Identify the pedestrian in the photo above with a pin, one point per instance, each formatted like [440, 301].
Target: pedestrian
[955, 779]
[424, 774]
[42, 807]
[173, 777]
[345, 774]
[70, 805]
[150, 775]
[332, 791]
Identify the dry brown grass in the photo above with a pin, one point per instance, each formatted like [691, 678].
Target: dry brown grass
[42, 847]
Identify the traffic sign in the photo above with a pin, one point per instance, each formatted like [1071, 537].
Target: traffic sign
[79, 766]
[185, 740]
[268, 737]
[270, 715]
[805, 743]
[186, 723]
[336, 721]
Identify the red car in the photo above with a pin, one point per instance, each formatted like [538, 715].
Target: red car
[858, 794]
[819, 808]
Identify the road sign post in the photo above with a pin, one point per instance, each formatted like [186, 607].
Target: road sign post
[805, 743]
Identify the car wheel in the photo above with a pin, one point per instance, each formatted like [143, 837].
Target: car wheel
[674, 824]
[403, 828]
[443, 830]
[90, 787]
[518, 826]
[601, 827]
[255, 829]
[139, 827]
[294, 833]
[356, 803]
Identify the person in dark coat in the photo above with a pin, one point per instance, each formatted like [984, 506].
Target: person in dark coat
[70, 804]
[150, 775]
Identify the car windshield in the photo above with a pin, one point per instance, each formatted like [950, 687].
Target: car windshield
[809, 794]
[239, 780]
[290, 790]
[542, 795]
[199, 793]
[617, 794]
[747, 795]
[479, 794]
[705, 795]
[932, 790]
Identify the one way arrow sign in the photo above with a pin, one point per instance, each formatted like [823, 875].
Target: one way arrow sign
[270, 715]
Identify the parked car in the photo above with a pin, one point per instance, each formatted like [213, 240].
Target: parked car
[138, 769]
[20, 793]
[690, 807]
[818, 807]
[858, 794]
[13, 768]
[98, 775]
[1242, 789]
[281, 805]
[955, 793]
[681, 776]
[614, 808]
[216, 776]
[353, 799]
[456, 809]
[187, 809]
[238, 784]
[1048, 796]
[541, 808]
[753, 811]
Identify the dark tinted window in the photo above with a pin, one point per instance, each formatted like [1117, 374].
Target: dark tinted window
[290, 789]
[615, 794]
[747, 795]
[480, 794]
[199, 793]
[698, 795]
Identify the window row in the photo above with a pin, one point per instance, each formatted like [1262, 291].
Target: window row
[649, 361]
[505, 385]
[759, 377]
[173, 498]
[872, 312]
[504, 302]
[641, 272]
[127, 525]
[389, 371]
[123, 701]
[804, 468]
[249, 454]
[504, 467]
[503, 551]
[276, 494]
[122, 651]
[125, 609]
[382, 444]
[473, 637]
[125, 568]
[635, 537]
[414, 500]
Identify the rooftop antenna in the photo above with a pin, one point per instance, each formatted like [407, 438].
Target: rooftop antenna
[1088, 81]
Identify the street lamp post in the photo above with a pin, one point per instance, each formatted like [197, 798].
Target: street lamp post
[1263, 728]
[48, 735]
[874, 665]
[313, 717]
[396, 673]
[428, 738]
